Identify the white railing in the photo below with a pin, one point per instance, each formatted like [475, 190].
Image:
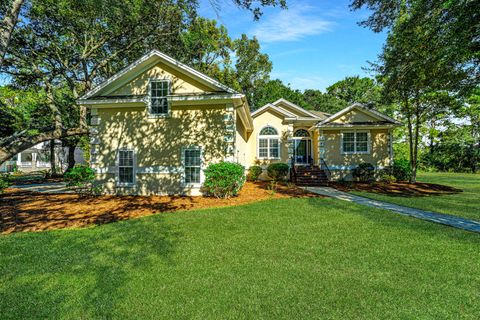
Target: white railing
[25, 164]
[43, 164]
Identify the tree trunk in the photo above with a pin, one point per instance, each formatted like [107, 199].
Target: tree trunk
[21, 141]
[71, 157]
[7, 26]
[410, 146]
[53, 165]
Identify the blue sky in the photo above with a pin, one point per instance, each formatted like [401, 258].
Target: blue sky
[312, 45]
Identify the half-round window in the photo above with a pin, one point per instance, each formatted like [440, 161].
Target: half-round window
[302, 133]
[269, 131]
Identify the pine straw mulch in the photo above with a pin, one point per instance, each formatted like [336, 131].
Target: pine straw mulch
[31, 211]
[401, 189]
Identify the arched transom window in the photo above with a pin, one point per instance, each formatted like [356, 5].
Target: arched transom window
[268, 143]
[301, 133]
[269, 131]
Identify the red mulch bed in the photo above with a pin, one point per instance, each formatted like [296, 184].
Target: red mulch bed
[32, 211]
[402, 189]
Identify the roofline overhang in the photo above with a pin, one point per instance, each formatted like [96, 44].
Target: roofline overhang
[197, 75]
[360, 126]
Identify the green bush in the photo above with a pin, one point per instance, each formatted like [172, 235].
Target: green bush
[3, 184]
[254, 172]
[278, 171]
[401, 169]
[224, 179]
[364, 172]
[80, 179]
[388, 178]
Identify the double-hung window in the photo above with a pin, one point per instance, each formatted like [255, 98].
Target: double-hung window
[355, 142]
[192, 165]
[268, 143]
[159, 90]
[125, 167]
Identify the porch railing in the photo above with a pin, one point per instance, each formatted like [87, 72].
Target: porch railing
[324, 166]
[293, 172]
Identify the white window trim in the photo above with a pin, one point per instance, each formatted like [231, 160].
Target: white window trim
[202, 166]
[268, 138]
[369, 142]
[117, 169]
[158, 115]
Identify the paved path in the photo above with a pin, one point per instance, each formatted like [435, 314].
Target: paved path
[449, 220]
[49, 187]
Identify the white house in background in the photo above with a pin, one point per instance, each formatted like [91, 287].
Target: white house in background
[38, 158]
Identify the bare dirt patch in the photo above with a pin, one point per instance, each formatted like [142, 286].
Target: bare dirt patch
[32, 211]
[401, 189]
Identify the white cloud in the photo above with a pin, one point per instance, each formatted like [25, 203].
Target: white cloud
[309, 82]
[292, 24]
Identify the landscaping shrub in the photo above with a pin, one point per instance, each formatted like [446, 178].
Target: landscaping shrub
[3, 184]
[387, 178]
[254, 172]
[364, 172]
[80, 179]
[401, 169]
[224, 179]
[278, 171]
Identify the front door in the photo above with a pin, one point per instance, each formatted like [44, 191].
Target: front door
[302, 151]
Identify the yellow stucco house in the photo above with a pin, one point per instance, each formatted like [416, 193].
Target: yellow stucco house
[158, 123]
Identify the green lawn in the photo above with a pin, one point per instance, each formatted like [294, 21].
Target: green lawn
[465, 204]
[277, 259]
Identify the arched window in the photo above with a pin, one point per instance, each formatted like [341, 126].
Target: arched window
[269, 131]
[301, 133]
[268, 143]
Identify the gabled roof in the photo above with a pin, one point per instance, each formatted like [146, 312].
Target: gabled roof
[275, 108]
[148, 60]
[295, 112]
[295, 107]
[374, 113]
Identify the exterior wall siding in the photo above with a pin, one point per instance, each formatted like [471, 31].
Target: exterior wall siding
[180, 84]
[342, 164]
[158, 144]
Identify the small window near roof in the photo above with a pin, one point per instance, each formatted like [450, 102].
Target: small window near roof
[268, 131]
[159, 90]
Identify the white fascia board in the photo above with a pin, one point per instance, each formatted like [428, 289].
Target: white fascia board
[170, 61]
[206, 97]
[111, 101]
[274, 107]
[300, 109]
[353, 126]
[361, 108]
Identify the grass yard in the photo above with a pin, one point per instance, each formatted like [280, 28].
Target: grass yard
[275, 259]
[464, 204]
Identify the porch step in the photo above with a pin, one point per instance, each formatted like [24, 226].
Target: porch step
[310, 176]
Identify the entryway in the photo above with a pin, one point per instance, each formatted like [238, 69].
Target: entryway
[302, 147]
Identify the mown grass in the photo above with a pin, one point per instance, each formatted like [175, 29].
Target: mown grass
[465, 204]
[276, 259]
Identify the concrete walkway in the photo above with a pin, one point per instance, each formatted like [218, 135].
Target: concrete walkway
[49, 187]
[453, 221]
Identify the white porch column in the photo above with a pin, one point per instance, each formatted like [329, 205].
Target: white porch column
[321, 147]
[390, 146]
[290, 143]
[34, 159]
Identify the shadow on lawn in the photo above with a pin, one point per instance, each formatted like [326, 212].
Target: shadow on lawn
[25, 211]
[78, 273]
[396, 224]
